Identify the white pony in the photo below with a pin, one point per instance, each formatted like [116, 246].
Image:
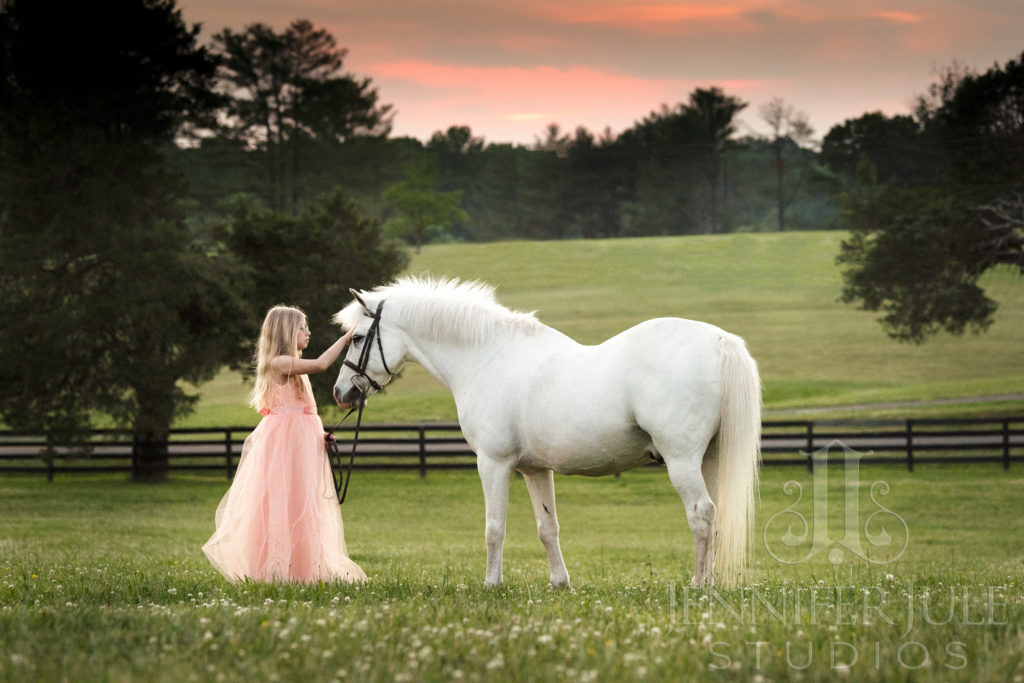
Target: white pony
[531, 399]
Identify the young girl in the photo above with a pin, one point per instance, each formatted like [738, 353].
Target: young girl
[280, 519]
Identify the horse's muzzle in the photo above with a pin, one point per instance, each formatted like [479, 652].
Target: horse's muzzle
[350, 399]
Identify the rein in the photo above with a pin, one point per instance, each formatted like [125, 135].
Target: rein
[364, 358]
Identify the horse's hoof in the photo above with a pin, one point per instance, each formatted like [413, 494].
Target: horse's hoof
[560, 580]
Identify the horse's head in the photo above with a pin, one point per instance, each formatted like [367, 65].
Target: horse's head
[375, 354]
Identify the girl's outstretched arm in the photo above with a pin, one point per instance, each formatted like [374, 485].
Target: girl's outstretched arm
[287, 366]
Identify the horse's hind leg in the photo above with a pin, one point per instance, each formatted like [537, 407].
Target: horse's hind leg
[495, 477]
[686, 476]
[541, 485]
[709, 468]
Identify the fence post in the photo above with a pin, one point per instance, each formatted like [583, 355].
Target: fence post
[1006, 444]
[810, 447]
[135, 452]
[423, 452]
[910, 445]
[227, 452]
[51, 456]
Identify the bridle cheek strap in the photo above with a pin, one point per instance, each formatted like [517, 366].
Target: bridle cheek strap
[364, 356]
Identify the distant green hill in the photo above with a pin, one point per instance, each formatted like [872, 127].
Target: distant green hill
[779, 291]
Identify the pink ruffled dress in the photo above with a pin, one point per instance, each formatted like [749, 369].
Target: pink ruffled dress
[280, 519]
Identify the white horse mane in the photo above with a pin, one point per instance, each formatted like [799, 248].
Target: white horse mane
[442, 309]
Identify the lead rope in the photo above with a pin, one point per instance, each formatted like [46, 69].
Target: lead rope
[335, 455]
[364, 358]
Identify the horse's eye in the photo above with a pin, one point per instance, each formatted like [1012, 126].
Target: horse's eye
[357, 338]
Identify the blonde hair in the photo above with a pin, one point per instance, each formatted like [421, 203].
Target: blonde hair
[278, 337]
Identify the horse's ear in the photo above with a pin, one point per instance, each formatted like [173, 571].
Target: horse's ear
[355, 295]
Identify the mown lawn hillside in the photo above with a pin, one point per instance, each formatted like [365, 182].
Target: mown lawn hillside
[778, 291]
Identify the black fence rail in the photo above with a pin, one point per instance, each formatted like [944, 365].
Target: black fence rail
[441, 446]
[902, 442]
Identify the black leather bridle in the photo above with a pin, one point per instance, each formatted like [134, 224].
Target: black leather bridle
[340, 487]
[364, 355]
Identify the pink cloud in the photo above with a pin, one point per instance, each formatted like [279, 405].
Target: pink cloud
[638, 14]
[542, 83]
[519, 101]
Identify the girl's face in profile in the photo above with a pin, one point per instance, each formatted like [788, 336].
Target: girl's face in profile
[303, 339]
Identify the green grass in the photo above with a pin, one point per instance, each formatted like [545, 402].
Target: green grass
[101, 580]
[778, 291]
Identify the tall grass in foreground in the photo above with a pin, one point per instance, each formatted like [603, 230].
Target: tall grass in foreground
[104, 580]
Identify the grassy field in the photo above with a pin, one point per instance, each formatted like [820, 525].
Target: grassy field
[884, 576]
[101, 580]
[778, 291]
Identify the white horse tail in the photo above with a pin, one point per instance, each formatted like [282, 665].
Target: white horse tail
[739, 457]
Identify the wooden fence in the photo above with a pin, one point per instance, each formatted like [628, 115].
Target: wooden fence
[441, 446]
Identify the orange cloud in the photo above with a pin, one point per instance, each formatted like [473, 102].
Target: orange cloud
[899, 17]
[539, 83]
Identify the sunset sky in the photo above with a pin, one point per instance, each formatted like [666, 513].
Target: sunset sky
[507, 68]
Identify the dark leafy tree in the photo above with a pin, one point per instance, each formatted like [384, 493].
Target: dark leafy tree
[553, 140]
[288, 97]
[455, 147]
[310, 261]
[917, 253]
[922, 269]
[593, 185]
[712, 115]
[680, 147]
[107, 300]
[458, 157]
[896, 146]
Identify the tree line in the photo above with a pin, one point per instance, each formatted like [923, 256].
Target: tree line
[292, 125]
[157, 195]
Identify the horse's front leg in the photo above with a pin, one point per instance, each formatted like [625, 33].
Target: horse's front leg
[495, 477]
[541, 485]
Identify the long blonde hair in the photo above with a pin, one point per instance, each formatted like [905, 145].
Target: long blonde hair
[278, 337]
